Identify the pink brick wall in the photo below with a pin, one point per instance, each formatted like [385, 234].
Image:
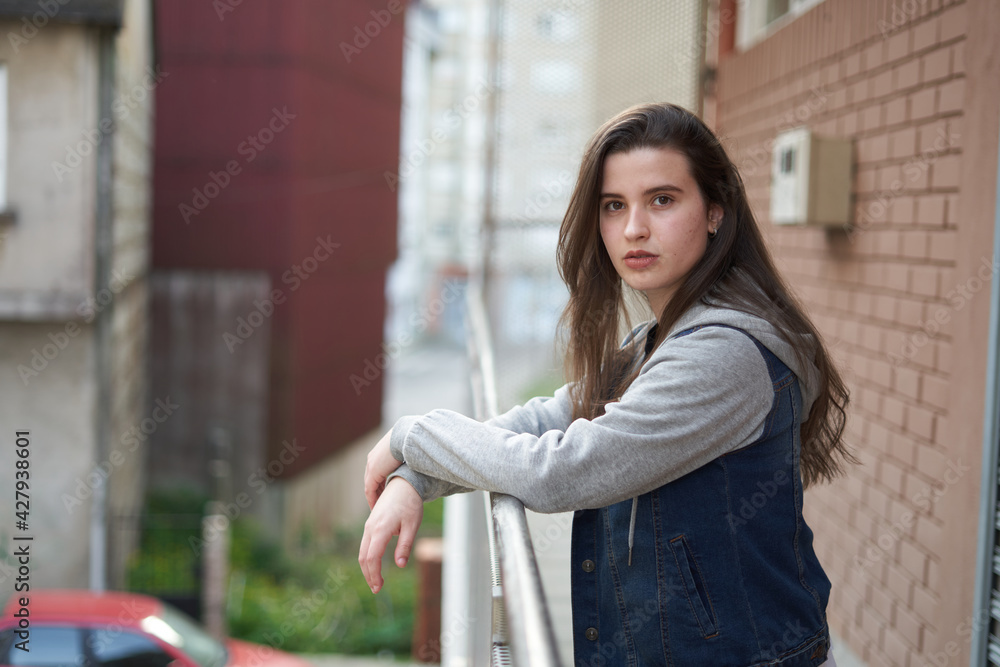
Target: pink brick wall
[892, 78]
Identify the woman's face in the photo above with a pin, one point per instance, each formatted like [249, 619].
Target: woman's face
[654, 222]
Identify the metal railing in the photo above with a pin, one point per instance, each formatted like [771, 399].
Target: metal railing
[522, 631]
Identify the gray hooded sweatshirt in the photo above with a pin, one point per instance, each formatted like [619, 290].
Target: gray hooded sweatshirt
[696, 397]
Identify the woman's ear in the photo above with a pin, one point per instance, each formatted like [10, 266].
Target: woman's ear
[714, 219]
[715, 216]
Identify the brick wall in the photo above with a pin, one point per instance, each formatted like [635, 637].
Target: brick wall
[885, 294]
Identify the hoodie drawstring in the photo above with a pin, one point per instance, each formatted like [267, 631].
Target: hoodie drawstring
[631, 528]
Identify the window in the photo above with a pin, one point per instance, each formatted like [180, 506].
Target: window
[551, 132]
[757, 18]
[177, 629]
[50, 646]
[127, 649]
[775, 10]
[557, 25]
[451, 20]
[556, 76]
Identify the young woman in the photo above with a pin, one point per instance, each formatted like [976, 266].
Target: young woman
[684, 449]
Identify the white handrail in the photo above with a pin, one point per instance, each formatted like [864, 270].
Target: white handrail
[522, 626]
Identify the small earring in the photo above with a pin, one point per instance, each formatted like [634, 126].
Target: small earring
[712, 233]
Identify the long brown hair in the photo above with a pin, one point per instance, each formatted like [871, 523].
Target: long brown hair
[736, 271]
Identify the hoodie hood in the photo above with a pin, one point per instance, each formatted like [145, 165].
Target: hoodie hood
[767, 334]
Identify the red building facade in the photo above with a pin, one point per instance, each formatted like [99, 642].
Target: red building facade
[275, 123]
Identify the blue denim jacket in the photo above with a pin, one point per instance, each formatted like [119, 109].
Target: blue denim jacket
[722, 571]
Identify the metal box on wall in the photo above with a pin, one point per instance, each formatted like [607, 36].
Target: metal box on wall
[810, 179]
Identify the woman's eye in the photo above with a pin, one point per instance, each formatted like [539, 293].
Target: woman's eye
[614, 206]
[662, 200]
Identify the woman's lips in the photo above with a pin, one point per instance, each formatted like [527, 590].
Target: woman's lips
[639, 260]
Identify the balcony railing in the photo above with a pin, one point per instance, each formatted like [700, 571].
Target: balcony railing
[522, 631]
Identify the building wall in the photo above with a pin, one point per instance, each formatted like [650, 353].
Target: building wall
[56, 407]
[46, 273]
[318, 179]
[902, 298]
[218, 399]
[47, 302]
[46, 266]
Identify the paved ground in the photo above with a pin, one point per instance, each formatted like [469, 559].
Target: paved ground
[429, 376]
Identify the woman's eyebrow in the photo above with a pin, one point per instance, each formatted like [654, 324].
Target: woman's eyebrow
[647, 192]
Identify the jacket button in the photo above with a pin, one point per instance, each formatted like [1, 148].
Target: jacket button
[588, 565]
[591, 634]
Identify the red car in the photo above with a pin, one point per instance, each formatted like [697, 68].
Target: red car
[81, 628]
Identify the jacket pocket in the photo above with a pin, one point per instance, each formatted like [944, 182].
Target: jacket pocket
[694, 587]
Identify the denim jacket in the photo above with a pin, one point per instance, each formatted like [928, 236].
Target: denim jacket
[722, 572]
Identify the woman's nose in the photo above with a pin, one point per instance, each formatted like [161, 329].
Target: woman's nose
[636, 226]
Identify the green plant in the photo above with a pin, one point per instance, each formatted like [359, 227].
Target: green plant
[166, 563]
[318, 600]
[314, 600]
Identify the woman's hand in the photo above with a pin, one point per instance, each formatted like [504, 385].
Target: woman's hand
[398, 512]
[380, 464]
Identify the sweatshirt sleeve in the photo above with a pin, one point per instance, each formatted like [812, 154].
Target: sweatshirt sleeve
[536, 417]
[428, 487]
[698, 397]
[539, 414]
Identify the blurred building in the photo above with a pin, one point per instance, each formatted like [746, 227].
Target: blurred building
[495, 122]
[903, 295]
[77, 82]
[564, 69]
[274, 227]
